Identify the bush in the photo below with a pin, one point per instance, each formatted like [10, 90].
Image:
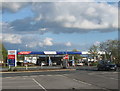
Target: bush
[94, 64]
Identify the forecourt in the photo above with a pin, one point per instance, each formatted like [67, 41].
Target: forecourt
[77, 79]
[12, 56]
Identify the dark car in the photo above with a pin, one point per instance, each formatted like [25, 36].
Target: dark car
[106, 65]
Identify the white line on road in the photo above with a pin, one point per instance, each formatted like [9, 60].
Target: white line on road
[102, 76]
[91, 84]
[41, 75]
[24, 76]
[49, 75]
[82, 82]
[87, 83]
[33, 76]
[8, 77]
[78, 80]
[39, 84]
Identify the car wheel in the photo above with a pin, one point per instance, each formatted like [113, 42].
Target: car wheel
[98, 69]
[115, 69]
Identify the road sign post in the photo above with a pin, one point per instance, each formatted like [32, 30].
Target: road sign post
[65, 61]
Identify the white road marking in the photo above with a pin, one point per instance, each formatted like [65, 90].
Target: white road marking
[102, 76]
[113, 78]
[49, 75]
[82, 82]
[41, 75]
[39, 84]
[33, 76]
[109, 72]
[87, 83]
[24, 76]
[8, 77]
[78, 80]
[91, 84]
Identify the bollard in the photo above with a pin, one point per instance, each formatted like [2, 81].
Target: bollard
[9, 67]
[26, 67]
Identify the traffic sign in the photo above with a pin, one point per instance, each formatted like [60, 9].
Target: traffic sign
[66, 56]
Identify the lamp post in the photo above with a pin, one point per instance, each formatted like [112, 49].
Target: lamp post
[110, 53]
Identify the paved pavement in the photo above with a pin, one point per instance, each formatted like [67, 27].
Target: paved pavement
[71, 80]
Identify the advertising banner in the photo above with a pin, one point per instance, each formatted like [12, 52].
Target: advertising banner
[24, 52]
[12, 57]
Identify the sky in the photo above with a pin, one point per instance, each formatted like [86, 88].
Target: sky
[58, 26]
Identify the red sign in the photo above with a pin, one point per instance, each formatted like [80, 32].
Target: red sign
[11, 56]
[66, 56]
[24, 52]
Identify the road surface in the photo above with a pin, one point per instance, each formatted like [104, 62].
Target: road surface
[61, 80]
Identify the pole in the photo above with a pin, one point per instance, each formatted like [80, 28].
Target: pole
[15, 58]
[9, 66]
[49, 60]
[26, 67]
[73, 61]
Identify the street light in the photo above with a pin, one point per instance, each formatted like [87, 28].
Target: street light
[110, 53]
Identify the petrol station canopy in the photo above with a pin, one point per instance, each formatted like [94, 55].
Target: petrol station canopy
[47, 52]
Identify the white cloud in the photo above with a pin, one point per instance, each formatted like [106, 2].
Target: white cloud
[48, 41]
[63, 17]
[42, 29]
[89, 16]
[13, 6]
[6, 27]
[68, 18]
[12, 38]
[41, 43]
[32, 44]
[38, 18]
[68, 44]
[79, 15]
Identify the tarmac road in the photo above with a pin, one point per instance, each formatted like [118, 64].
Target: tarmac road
[63, 80]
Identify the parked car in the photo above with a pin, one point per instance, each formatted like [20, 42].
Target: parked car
[80, 64]
[54, 63]
[43, 64]
[106, 65]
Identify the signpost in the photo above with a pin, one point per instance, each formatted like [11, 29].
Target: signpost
[12, 58]
[65, 61]
[66, 56]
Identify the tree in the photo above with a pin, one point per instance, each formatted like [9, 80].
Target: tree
[1, 56]
[76, 56]
[111, 48]
[3, 53]
[93, 50]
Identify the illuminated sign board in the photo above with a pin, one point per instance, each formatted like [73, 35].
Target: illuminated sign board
[24, 52]
[50, 52]
[12, 56]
